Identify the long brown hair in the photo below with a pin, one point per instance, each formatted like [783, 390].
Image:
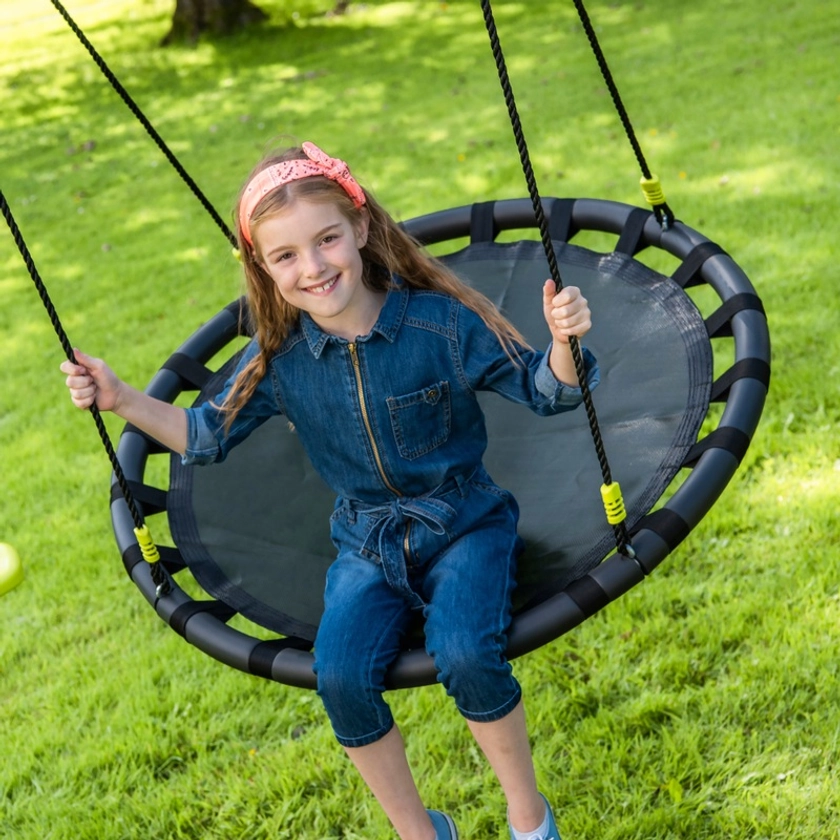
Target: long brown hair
[388, 246]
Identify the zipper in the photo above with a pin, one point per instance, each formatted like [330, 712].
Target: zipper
[360, 391]
[409, 559]
[357, 371]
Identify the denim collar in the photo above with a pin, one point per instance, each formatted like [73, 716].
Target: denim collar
[387, 324]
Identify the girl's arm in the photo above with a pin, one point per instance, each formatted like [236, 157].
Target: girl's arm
[566, 314]
[92, 381]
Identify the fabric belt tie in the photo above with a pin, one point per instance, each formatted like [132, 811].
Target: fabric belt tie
[388, 534]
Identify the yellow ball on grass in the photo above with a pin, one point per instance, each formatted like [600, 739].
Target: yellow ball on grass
[11, 570]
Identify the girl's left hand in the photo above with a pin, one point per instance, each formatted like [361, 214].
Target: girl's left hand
[566, 313]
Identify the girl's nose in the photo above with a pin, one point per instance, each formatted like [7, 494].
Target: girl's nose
[313, 264]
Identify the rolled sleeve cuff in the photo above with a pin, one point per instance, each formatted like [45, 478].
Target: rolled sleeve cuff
[565, 395]
[202, 445]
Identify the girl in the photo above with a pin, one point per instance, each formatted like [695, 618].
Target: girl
[375, 351]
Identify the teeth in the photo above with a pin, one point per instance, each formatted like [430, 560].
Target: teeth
[319, 289]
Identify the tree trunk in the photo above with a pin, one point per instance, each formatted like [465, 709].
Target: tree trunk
[216, 17]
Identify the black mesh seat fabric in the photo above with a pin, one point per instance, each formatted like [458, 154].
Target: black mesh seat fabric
[254, 529]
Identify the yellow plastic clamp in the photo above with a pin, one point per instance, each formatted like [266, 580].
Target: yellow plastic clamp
[237, 254]
[652, 190]
[147, 544]
[613, 503]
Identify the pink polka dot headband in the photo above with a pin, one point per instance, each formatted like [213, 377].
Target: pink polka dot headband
[317, 162]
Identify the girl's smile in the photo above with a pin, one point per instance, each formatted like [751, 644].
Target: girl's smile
[323, 289]
[312, 253]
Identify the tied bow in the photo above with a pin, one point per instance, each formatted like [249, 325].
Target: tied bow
[336, 170]
[387, 533]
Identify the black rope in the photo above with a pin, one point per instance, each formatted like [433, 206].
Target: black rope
[132, 106]
[158, 575]
[545, 234]
[662, 212]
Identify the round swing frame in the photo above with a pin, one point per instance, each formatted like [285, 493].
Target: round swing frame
[712, 462]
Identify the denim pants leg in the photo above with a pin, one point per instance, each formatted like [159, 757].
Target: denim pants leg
[462, 576]
[468, 593]
[359, 637]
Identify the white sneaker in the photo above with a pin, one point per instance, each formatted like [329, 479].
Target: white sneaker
[551, 834]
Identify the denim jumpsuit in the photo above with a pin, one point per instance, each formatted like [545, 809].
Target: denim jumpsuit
[392, 424]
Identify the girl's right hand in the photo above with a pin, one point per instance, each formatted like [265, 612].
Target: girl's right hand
[91, 381]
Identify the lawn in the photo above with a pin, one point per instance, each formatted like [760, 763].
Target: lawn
[704, 704]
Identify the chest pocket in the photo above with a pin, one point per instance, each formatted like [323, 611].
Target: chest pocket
[421, 420]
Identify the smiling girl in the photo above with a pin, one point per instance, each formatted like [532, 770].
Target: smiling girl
[375, 351]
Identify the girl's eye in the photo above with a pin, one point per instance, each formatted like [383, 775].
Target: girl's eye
[330, 237]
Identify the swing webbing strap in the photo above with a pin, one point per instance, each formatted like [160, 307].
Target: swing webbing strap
[261, 658]
[192, 373]
[733, 440]
[745, 369]
[181, 615]
[170, 558]
[667, 525]
[588, 594]
[631, 240]
[719, 323]
[688, 273]
[151, 499]
[558, 212]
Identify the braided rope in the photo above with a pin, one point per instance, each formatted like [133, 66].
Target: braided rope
[663, 213]
[158, 575]
[132, 106]
[545, 235]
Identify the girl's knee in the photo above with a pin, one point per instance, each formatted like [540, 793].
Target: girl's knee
[339, 679]
[357, 711]
[477, 677]
[458, 663]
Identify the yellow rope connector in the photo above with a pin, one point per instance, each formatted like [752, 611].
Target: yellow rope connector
[652, 190]
[237, 254]
[613, 503]
[147, 544]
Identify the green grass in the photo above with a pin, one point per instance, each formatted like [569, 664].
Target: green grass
[703, 704]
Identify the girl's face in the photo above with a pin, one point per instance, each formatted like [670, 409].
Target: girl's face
[311, 252]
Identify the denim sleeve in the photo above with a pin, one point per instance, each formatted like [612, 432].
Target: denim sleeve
[529, 380]
[207, 440]
[565, 395]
